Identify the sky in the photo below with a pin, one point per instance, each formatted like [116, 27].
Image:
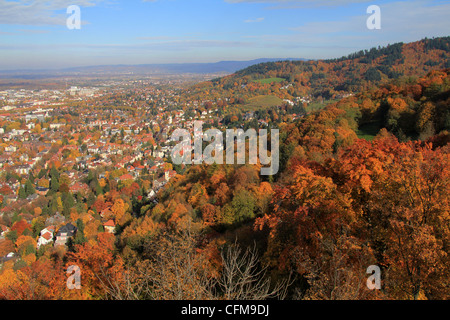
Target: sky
[34, 34]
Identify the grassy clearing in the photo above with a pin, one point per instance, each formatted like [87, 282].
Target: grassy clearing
[368, 131]
[262, 102]
[315, 106]
[269, 80]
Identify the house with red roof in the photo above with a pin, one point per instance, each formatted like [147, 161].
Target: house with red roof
[79, 187]
[126, 176]
[169, 174]
[46, 236]
[109, 226]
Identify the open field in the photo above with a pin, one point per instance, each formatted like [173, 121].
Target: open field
[269, 80]
[368, 131]
[262, 102]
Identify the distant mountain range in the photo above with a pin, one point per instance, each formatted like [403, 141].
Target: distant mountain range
[145, 69]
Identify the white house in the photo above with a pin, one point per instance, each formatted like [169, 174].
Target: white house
[46, 236]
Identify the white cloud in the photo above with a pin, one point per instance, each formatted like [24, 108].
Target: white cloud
[33, 31]
[38, 12]
[254, 20]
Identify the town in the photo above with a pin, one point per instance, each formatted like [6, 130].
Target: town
[92, 138]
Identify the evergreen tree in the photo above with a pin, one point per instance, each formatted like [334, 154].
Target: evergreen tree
[89, 177]
[90, 199]
[41, 174]
[12, 235]
[54, 182]
[29, 188]
[22, 193]
[37, 227]
[80, 238]
[68, 203]
[54, 173]
[70, 245]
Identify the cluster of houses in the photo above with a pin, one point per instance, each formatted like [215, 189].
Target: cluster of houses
[65, 232]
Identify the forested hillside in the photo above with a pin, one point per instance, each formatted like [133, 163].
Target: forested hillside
[330, 78]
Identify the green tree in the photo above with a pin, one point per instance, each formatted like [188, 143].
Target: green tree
[244, 205]
[54, 182]
[373, 74]
[41, 174]
[91, 199]
[38, 225]
[22, 193]
[29, 188]
[12, 235]
[68, 202]
[80, 237]
[19, 264]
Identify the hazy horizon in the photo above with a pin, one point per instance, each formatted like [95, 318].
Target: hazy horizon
[145, 64]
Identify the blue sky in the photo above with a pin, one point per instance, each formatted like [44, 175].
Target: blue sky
[33, 34]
